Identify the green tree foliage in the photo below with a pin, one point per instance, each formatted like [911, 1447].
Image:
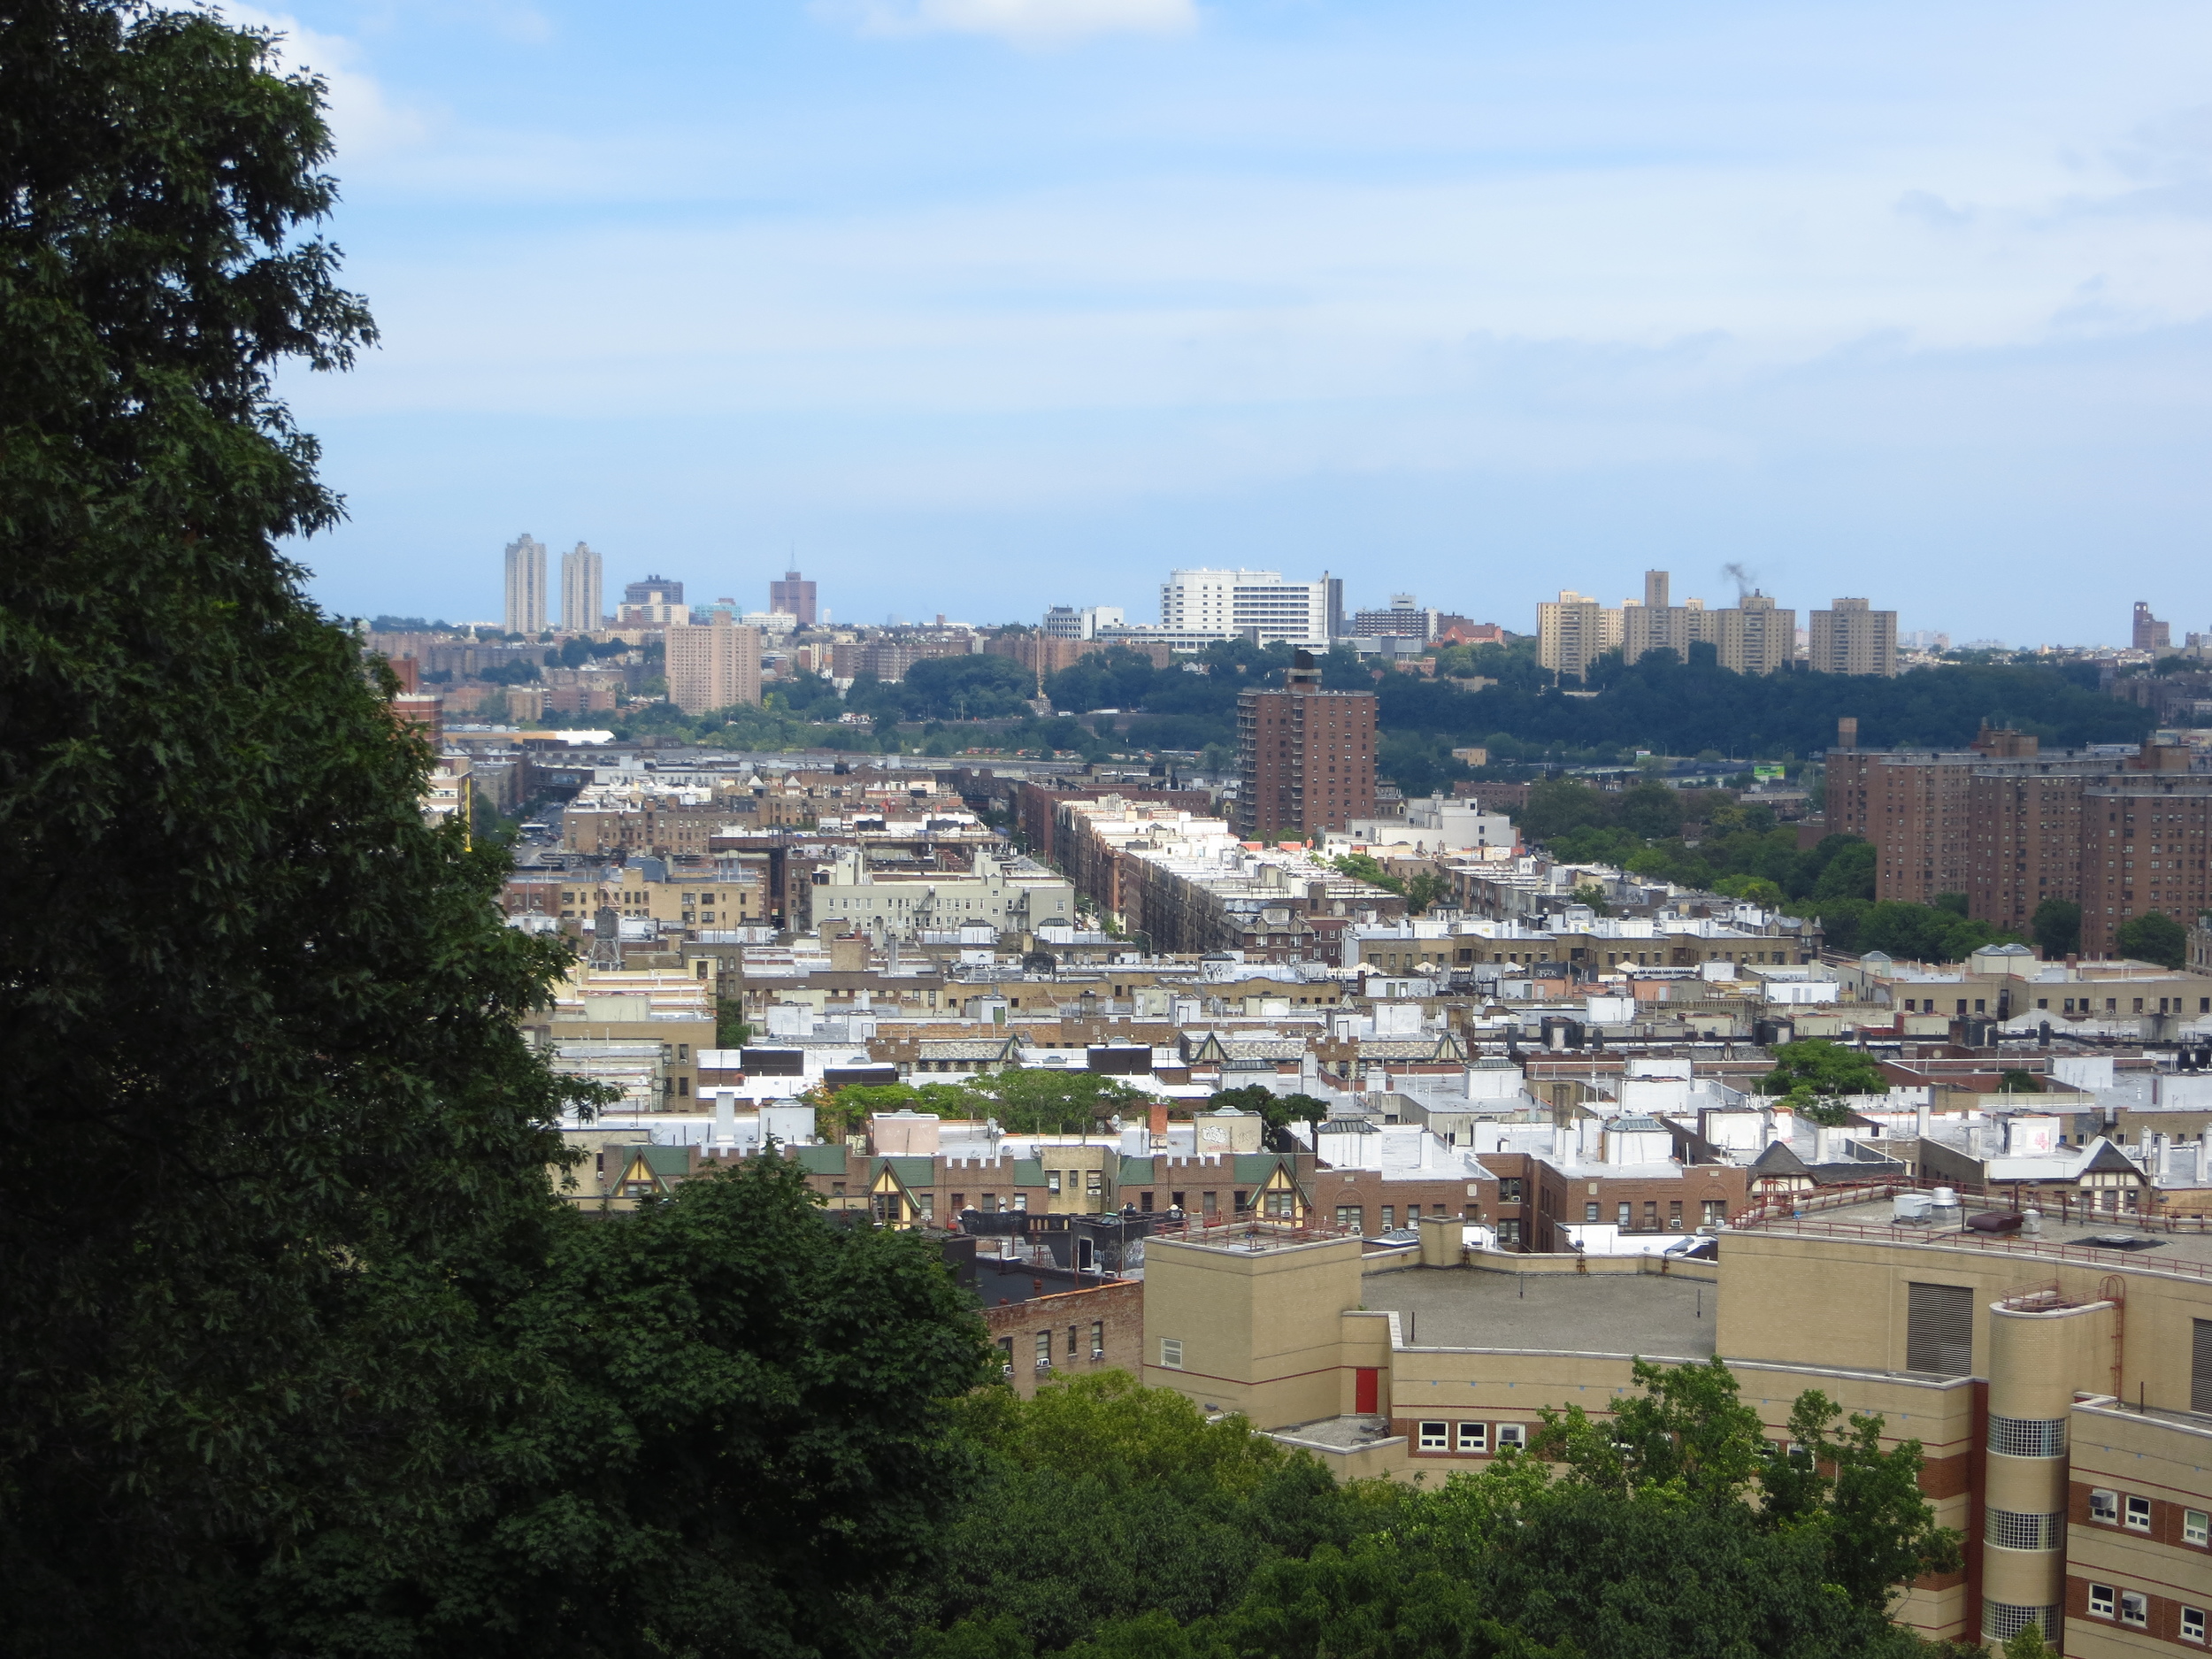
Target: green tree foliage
[1025, 1100]
[1660, 704]
[730, 1029]
[730, 1415]
[303, 1354]
[1106, 1501]
[2154, 937]
[1279, 1110]
[1796, 1557]
[1921, 932]
[1420, 890]
[1826, 1068]
[267, 1005]
[2056, 925]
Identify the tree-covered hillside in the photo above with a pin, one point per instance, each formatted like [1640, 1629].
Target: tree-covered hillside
[1660, 704]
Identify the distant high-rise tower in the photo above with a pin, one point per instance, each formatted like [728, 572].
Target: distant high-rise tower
[2151, 635]
[1306, 757]
[1850, 638]
[712, 665]
[654, 590]
[581, 591]
[525, 585]
[1573, 631]
[793, 596]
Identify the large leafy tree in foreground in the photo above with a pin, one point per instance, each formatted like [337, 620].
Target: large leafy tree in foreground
[300, 1354]
[273, 1141]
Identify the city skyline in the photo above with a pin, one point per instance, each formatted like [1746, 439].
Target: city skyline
[791, 593]
[1866, 301]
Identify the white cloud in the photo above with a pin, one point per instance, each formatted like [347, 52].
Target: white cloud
[1023, 22]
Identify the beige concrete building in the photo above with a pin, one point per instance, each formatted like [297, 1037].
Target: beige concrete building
[1850, 638]
[1757, 636]
[713, 666]
[2060, 1389]
[1573, 631]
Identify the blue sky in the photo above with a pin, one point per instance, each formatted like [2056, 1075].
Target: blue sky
[975, 306]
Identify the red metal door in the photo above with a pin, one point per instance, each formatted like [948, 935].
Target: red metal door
[1367, 1390]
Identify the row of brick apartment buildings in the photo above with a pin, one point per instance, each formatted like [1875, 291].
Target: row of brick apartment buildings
[2122, 836]
[1524, 1197]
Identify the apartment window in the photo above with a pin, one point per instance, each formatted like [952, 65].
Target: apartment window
[1510, 1235]
[1651, 1215]
[1510, 1192]
[1435, 1437]
[2196, 1527]
[2135, 1609]
[1144, 1202]
[1021, 1200]
[2192, 1623]
[1716, 1212]
[2101, 1600]
[2104, 1506]
[1052, 1180]
[2138, 1515]
[1175, 1201]
[1098, 1339]
[1172, 1353]
[2200, 1366]
[1590, 1211]
[1474, 1437]
[1512, 1436]
[1210, 1203]
[1390, 1217]
[1674, 1215]
[1351, 1217]
[1623, 1216]
[1093, 1182]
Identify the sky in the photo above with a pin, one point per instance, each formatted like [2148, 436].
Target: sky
[973, 307]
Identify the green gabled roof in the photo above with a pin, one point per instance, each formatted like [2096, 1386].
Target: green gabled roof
[911, 1172]
[660, 1160]
[1137, 1173]
[818, 1160]
[1256, 1166]
[1028, 1172]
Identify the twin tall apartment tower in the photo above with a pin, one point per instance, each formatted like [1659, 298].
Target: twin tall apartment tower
[582, 587]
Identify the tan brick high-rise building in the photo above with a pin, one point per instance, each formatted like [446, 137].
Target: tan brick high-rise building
[1851, 638]
[713, 666]
[1757, 636]
[1305, 756]
[1573, 631]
